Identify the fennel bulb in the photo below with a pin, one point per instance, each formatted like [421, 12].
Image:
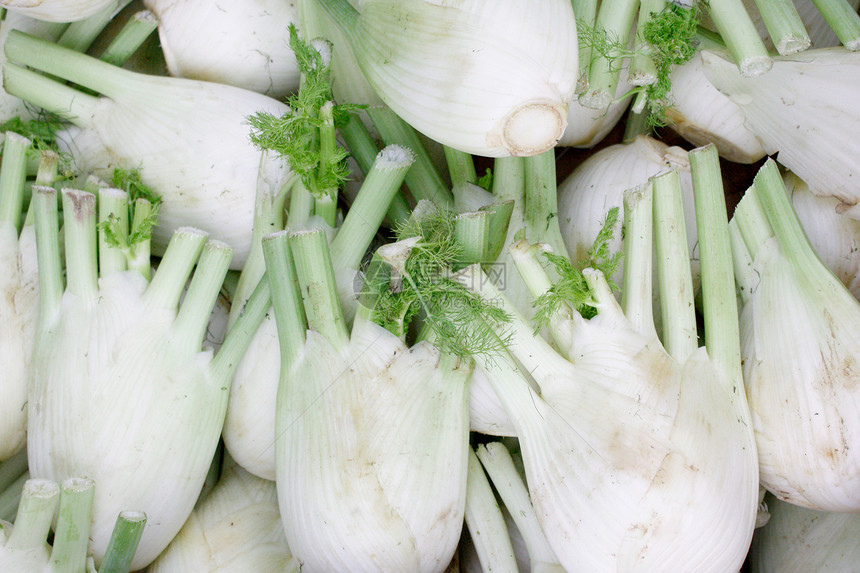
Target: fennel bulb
[360, 486]
[805, 110]
[800, 540]
[492, 79]
[249, 428]
[236, 529]
[121, 390]
[172, 129]
[702, 115]
[236, 43]
[59, 10]
[19, 301]
[639, 454]
[799, 365]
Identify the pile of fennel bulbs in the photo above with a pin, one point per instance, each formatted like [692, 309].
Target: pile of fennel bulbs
[629, 445]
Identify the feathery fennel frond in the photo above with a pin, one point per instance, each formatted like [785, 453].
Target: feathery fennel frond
[421, 283]
[296, 135]
[572, 289]
[670, 41]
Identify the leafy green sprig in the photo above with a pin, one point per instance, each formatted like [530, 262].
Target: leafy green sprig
[305, 134]
[143, 204]
[571, 290]
[421, 284]
[670, 40]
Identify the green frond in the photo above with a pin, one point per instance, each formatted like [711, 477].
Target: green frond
[571, 290]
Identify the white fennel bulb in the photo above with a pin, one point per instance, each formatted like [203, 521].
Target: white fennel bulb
[242, 44]
[804, 110]
[800, 347]
[801, 540]
[491, 79]
[834, 236]
[236, 529]
[702, 115]
[121, 390]
[360, 485]
[59, 10]
[189, 139]
[249, 428]
[639, 454]
[19, 297]
[598, 185]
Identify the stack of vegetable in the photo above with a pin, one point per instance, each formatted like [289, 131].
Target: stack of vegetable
[405, 285]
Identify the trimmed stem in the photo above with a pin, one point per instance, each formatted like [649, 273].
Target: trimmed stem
[423, 181]
[49, 167]
[35, 513]
[541, 203]
[71, 535]
[643, 71]
[301, 206]
[843, 20]
[139, 258]
[532, 272]
[286, 297]
[123, 543]
[366, 213]
[784, 25]
[741, 37]
[485, 522]
[48, 94]
[111, 258]
[13, 174]
[500, 220]
[461, 166]
[175, 267]
[499, 465]
[472, 232]
[241, 333]
[326, 205]
[48, 253]
[586, 14]
[719, 298]
[675, 283]
[268, 218]
[318, 287]
[79, 224]
[638, 257]
[615, 19]
[509, 180]
[363, 149]
[80, 35]
[132, 36]
[193, 316]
